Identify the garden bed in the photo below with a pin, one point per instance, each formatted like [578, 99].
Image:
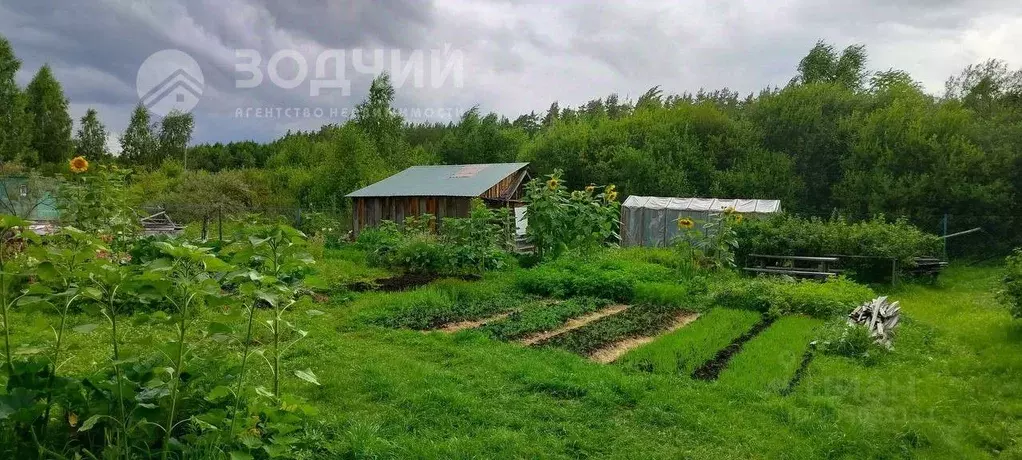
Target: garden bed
[770, 361]
[574, 323]
[681, 352]
[712, 368]
[403, 282]
[614, 351]
[636, 321]
[542, 316]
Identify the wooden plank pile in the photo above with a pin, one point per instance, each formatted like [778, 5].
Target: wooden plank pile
[880, 317]
[928, 266]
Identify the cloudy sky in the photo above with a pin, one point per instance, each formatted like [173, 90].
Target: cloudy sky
[512, 56]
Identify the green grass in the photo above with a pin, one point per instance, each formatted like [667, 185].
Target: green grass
[950, 389]
[541, 316]
[637, 320]
[769, 360]
[684, 350]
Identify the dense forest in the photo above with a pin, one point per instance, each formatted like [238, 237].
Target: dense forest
[839, 138]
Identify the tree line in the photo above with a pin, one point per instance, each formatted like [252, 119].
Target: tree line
[36, 127]
[839, 138]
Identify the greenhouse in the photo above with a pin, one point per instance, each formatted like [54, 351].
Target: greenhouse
[651, 221]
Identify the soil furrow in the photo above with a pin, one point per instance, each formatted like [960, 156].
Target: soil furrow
[712, 368]
[615, 350]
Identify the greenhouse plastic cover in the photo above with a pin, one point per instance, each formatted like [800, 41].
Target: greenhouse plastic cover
[648, 220]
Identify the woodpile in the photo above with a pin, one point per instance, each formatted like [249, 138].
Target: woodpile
[880, 317]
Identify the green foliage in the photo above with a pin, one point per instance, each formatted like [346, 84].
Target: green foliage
[90, 140]
[51, 124]
[637, 320]
[1010, 292]
[560, 220]
[790, 235]
[473, 244]
[175, 134]
[541, 316]
[439, 303]
[15, 123]
[139, 143]
[854, 341]
[95, 201]
[835, 296]
[682, 351]
[579, 281]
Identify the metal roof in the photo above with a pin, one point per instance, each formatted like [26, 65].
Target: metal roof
[703, 204]
[441, 180]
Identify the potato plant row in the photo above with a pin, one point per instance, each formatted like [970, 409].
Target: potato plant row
[542, 316]
[636, 321]
[682, 351]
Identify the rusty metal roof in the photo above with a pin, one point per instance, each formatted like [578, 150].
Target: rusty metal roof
[441, 180]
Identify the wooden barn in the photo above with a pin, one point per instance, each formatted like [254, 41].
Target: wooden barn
[442, 190]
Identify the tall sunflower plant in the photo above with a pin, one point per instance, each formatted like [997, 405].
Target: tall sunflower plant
[92, 198]
[561, 219]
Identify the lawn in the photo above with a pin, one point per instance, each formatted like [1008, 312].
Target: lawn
[950, 389]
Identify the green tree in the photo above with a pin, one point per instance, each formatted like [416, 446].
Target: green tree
[175, 134]
[51, 124]
[90, 140]
[376, 116]
[824, 65]
[138, 144]
[15, 131]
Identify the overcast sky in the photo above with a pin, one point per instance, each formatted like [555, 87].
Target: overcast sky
[516, 56]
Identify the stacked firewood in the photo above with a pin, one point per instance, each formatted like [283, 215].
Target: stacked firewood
[878, 316]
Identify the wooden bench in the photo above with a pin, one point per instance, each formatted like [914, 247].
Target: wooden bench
[797, 266]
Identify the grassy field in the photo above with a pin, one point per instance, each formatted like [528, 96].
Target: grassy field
[950, 389]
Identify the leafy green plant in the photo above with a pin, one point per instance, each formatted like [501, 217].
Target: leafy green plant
[93, 200]
[854, 341]
[835, 296]
[560, 219]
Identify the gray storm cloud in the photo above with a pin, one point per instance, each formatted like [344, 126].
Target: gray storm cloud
[517, 57]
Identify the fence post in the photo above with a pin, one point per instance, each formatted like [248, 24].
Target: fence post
[205, 226]
[220, 222]
[943, 225]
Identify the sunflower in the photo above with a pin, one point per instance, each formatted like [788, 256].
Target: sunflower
[611, 195]
[79, 164]
[590, 188]
[738, 218]
[685, 223]
[553, 183]
[729, 210]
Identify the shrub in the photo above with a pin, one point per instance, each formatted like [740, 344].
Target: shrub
[1011, 283]
[851, 341]
[834, 296]
[789, 235]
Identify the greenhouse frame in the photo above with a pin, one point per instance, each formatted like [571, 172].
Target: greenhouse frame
[651, 221]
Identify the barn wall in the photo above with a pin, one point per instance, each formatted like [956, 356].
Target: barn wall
[369, 212]
[510, 188]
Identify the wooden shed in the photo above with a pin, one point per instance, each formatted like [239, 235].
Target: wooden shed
[443, 191]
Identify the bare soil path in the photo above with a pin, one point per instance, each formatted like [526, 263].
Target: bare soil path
[462, 325]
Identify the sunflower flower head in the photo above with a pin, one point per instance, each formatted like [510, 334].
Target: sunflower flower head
[738, 218]
[685, 223]
[729, 210]
[79, 164]
[553, 183]
[590, 188]
[611, 195]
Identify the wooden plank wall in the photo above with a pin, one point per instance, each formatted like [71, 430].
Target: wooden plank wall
[370, 211]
